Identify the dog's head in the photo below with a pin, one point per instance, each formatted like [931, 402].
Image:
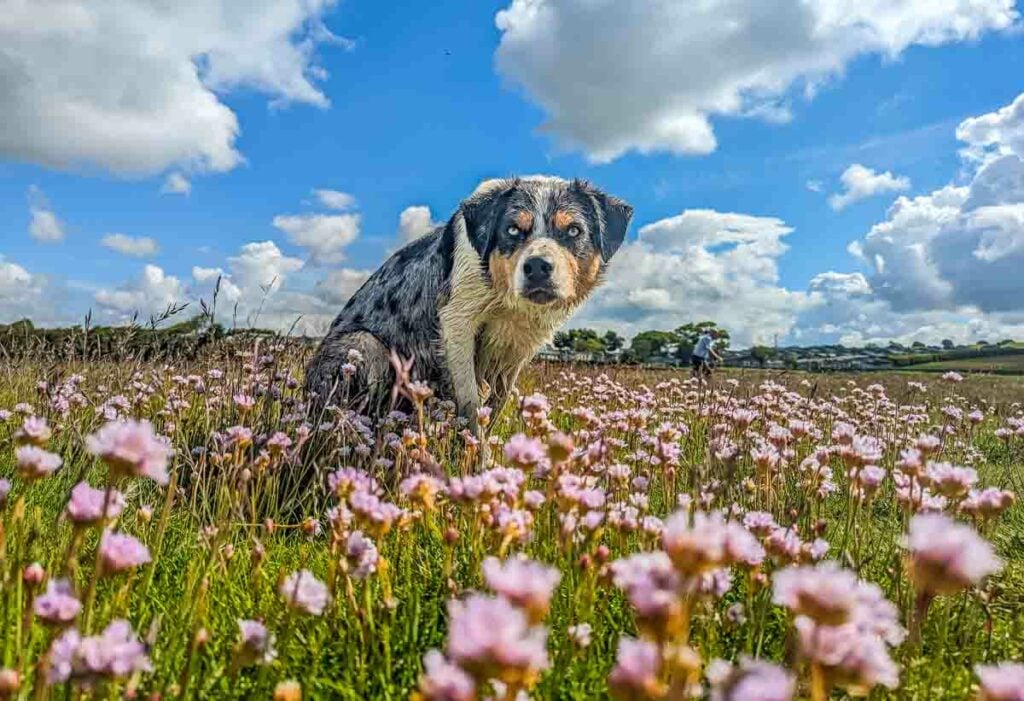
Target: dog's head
[543, 239]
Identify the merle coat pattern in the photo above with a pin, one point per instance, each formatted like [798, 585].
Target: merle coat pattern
[472, 301]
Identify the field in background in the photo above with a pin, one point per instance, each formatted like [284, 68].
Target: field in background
[1008, 365]
[583, 478]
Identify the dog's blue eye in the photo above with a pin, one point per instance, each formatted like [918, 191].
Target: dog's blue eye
[574, 231]
[512, 230]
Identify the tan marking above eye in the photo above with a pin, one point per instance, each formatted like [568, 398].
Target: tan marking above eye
[523, 220]
[563, 220]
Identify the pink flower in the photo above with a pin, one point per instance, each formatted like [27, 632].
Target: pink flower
[278, 443]
[760, 523]
[120, 552]
[489, 637]
[946, 556]
[951, 481]
[988, 503]
[362, 555]
[636, 671]
[711, 542]
[303, 592]
[524, 452]
[33, 431]
[655, 590]
[255, 643]
[825, 592]
[443, 681]
[58, 604]
[131, 448]
[35, 463]
[85, 507]
[857, 658]
[1001, 682]
[750, 680]
[953, 377]
[525, 583]
[114, 654]
[5, 489]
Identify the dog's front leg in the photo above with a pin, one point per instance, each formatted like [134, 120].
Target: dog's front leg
[460, 357]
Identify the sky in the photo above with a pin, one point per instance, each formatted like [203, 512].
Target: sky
[802, 171]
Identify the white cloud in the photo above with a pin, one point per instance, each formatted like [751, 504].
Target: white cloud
[148, 295]
[23, 295]
[176, 184]
[959, 246]
[700, 264]
[335, 199]
[619, 76]
[814, 185]
[338, 286]
[325, 236]
[261, 265]
[944, 264]
[999, 133]
[137, 246]
[44, 226]
[414, 222]
[860, 182]
[134, 86]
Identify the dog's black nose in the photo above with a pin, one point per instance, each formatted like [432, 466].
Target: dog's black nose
[537, 270]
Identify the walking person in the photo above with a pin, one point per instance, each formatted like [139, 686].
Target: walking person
[702, 353]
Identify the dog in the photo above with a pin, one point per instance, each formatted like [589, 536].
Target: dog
[470, 303]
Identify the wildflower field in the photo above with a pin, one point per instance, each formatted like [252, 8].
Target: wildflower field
[189, 530]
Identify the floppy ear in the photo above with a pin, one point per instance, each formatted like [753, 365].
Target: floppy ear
[616, 220]
[481, 210]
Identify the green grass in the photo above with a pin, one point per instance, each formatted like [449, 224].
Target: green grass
[370, 643]
[1004, 364]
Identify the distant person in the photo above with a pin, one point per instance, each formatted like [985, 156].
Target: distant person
[704, 352]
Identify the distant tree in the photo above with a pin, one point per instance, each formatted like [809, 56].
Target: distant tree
[686, 337]
[948, 344]
[612, 341]
[562, 340]
[918, 344]
[1007, 342]
[762, 353]
[983, 343]
[648, 344]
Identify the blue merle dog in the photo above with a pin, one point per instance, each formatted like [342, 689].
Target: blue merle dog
[471, 302]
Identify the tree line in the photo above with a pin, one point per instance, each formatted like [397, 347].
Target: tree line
[646, 346]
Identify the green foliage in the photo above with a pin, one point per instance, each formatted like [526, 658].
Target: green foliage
[648, 344]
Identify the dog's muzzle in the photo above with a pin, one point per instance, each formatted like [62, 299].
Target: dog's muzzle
[538, 286]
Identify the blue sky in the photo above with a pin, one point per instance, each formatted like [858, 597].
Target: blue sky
[399, 108]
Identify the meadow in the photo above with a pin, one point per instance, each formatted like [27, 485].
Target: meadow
[185, 529]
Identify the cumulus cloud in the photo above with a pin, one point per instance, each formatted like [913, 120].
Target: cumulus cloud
[335, 199]
[959, 245]
[148, 295]
[945, 264]
[136, 246]
[23, 294]
[338, 286]
[700, 264]
[325, 236]
[996, 134]
[860, 182]
[414, 222]
[134, 86]
[176, 184]
[619, 76]
[43, 226]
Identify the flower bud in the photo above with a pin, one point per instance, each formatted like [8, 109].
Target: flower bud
[34, 574]
[289, 690]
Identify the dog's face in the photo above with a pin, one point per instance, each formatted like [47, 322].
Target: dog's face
[544, 240]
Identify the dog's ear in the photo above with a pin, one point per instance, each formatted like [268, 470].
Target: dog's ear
[482, 209]
[616, 220]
